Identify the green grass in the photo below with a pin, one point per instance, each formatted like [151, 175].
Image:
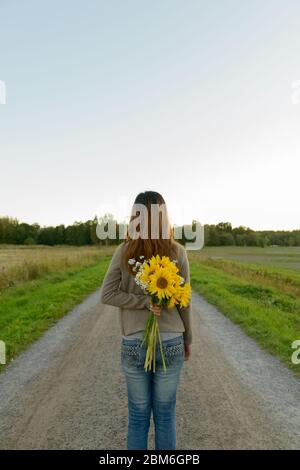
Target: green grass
[252, 286]
[264, 301]
[280, 257]
[28, 310]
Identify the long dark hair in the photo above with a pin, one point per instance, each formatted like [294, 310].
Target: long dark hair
[150, 246]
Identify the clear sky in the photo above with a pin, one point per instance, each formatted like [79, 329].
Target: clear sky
[189, 98]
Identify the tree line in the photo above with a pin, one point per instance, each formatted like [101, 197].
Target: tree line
[84, 233]
[224, 234]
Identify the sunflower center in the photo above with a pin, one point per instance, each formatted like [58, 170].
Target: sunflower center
[162, 282]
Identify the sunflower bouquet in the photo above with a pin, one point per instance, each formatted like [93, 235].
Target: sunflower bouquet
[159, 278]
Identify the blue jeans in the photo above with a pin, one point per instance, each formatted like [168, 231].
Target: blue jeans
[148, 390]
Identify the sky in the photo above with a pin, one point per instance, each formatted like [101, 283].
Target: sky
[193, 99]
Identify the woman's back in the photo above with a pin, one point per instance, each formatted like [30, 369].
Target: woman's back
[120, 290]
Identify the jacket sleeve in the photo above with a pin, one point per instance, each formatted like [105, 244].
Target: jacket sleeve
[186, 312]
[111, 294]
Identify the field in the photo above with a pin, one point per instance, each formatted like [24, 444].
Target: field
[38, 285]
[280, 257]
[19, 263]
[257, 288]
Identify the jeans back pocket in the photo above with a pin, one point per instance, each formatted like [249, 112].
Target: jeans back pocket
[131, 353]
[174, 351]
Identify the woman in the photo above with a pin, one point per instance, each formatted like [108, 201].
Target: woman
[148, 390]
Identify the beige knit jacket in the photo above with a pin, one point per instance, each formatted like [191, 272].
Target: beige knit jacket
[120, 290]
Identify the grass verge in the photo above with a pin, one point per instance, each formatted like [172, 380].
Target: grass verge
[27, 311]
[265, 304]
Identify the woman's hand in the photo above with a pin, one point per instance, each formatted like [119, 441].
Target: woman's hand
[155, 309]
[187, 351]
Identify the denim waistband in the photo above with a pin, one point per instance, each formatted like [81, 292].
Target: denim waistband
[163, 335]
[177, 340]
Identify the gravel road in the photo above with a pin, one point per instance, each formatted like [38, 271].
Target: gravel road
[67, 390]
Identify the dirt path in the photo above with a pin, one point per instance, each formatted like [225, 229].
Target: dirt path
[67, 391]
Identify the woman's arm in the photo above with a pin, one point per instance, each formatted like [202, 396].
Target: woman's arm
[186, 312]
[111, 293]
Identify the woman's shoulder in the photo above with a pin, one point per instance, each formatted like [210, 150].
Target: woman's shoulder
[180, 248]
[181, 251]
[120, 247]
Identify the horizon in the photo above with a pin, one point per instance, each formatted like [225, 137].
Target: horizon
[120, 221]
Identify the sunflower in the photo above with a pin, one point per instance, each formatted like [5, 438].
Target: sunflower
[162, 283]
[172, 302]
[147, 271]
[167, 263]
[164, 262]
[159, 277]
[183, 294]
[155, 260]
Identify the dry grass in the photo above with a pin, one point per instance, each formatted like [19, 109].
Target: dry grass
[279, 257]
[19, 264]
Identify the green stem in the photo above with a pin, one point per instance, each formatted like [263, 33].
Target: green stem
[150, 340]
[162, 353]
